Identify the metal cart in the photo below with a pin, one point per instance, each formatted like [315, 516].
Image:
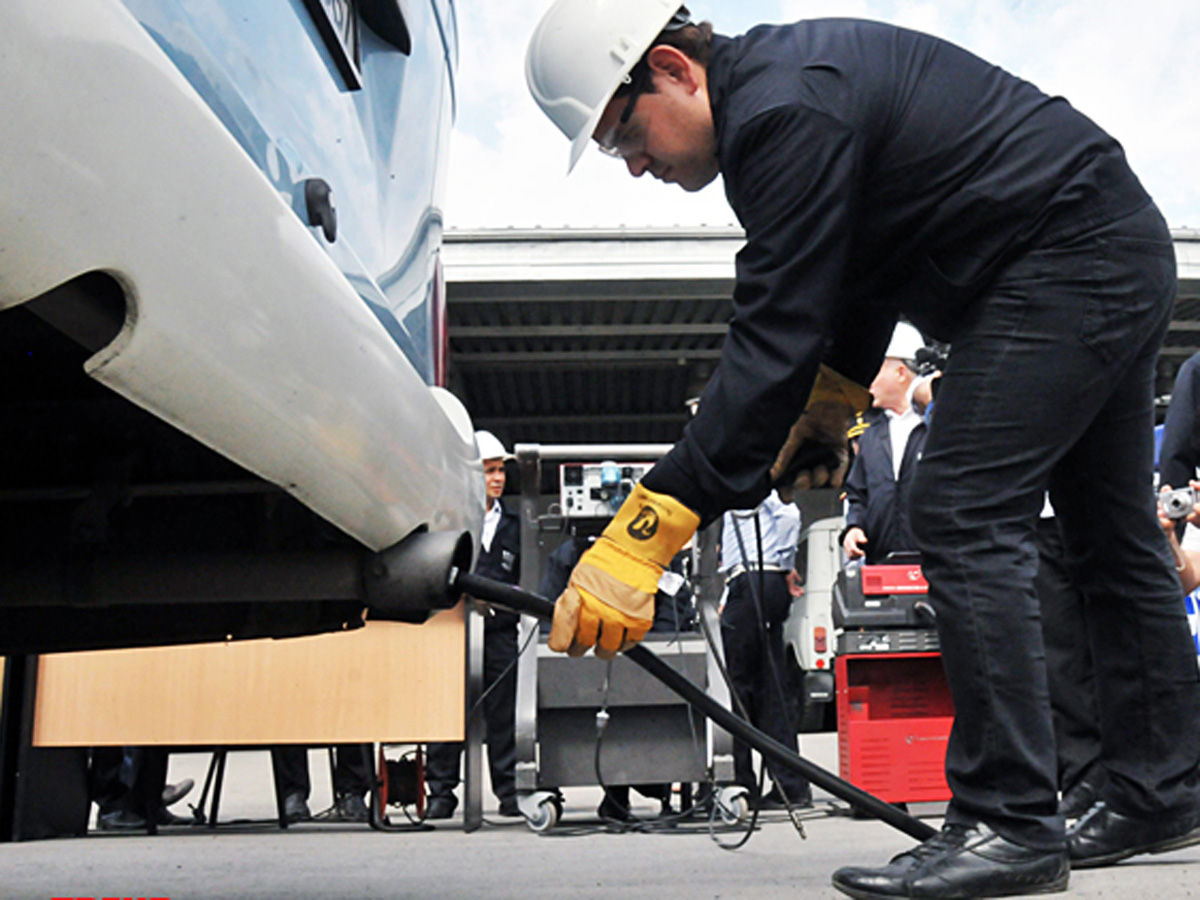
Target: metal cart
[651, 736]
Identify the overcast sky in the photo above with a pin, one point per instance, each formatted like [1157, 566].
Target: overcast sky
[1125, 63]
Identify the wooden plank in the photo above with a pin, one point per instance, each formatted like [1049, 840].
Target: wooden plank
[385, 682]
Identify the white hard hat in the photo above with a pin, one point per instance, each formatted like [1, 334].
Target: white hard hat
[579, 54]
[490, 447]
[906, 341]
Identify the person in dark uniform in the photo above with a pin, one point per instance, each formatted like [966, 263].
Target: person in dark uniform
[758, 556]
[879, 482]
[352, 776]
[129, 785]
[879, 171]
[500, 560]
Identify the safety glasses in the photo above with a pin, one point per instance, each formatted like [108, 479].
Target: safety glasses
[621, 141]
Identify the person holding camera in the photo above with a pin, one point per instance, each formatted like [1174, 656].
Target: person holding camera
[1175, 508]
[1179, 456]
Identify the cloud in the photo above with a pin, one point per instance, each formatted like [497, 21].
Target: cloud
[1116, 61]
[508, 163]
[520, 180]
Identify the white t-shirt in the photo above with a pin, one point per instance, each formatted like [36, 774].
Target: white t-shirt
[491, 519]
[900, 427]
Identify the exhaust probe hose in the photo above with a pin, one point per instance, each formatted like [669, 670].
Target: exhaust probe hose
[535, 605]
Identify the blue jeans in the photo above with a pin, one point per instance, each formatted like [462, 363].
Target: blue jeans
[1050, 386]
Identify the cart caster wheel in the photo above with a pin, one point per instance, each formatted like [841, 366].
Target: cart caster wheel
[541, 809]
[733, 804]
[545, 818]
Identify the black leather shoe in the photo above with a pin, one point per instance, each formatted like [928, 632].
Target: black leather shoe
[120, 820]
[613, 810]
[295, 808]
[173, 793]
[440, 807]
[960, 862]
[509, 808]
[351, 808]
[1079, 798]
[1103, 836]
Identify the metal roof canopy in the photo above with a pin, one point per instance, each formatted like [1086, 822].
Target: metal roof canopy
[600, 335]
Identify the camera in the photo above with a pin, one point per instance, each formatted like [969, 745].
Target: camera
[932, 358]
[1178, 504]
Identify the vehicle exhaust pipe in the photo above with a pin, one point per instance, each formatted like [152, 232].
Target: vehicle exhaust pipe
[413, 579]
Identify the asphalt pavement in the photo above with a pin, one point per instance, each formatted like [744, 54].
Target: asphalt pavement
[248, 856]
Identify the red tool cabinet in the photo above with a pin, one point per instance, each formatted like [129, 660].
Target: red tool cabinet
[894, 714]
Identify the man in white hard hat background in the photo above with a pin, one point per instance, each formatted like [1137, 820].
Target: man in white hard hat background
[879, 171]
[500, 560]
[879, 483]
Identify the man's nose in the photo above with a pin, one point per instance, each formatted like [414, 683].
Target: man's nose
[638, 163]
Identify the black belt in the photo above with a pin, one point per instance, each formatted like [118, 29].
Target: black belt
[743, 568]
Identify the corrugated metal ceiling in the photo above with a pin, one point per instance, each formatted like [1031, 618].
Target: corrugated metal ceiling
[600, 336]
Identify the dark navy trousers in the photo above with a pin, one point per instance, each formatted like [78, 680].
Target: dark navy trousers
[752, 636]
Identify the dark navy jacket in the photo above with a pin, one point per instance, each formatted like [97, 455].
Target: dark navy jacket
[1180, 453]
[878, 502]
[875, 170]
[502, 562]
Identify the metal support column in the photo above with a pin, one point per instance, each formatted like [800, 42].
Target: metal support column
[476, 722]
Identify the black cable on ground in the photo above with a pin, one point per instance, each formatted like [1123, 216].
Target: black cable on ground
[523, 601]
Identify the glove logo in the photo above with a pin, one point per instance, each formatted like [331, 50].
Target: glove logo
[644, 525]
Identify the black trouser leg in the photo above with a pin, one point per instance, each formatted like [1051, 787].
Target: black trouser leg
[353, 769]
[104, 779]
[442, 766]
[752, 635]
[1068, 660]
[500, 707]
[150, 780]
[1051, 386]
[290, 764]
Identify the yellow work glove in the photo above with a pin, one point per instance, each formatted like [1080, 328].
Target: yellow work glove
[820, 434]
[609, 601]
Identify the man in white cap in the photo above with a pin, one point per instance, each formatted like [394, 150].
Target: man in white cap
[879, 483]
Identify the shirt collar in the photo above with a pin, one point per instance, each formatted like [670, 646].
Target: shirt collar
[717, 75]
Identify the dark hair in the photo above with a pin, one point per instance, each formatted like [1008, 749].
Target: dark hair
[692, 39]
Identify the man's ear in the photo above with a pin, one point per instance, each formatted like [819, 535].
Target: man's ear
[673, 63]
